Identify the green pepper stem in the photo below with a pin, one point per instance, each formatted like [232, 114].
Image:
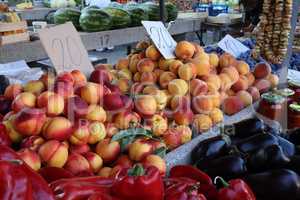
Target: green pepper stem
[225, 184]
[137, 170]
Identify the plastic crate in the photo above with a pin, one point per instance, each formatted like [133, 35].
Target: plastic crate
[202, 8]
[216, 9]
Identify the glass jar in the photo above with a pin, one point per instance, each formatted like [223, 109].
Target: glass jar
[296, 87]
[271, 106]
[294, 116]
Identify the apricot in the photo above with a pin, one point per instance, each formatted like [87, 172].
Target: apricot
[79, 78]
[262, 85]
[214, 59]
[273, 79]
[36, 87]
[31, 158]
[124, 85]
[58, 128]
[251, 78]
[172, 138]
[232, 105]
[153, 53]
[24, 99]
[159, 125]
[108, 150]
[216, 115]
[245, 97]
[94, 160]
[163, 64]
[122, 63]
[52, 102]
[198, 87]
[54, 153]
[105, 172]
[96, 113]
[241, 84]
[202, 122]
[65, 89]
[178, 87]
[242, 67]
[262, 70]
[213, 79]
[29, 121]
[254, 93]
[226, 82]
[77, 164]
[145, 65]
[198, 49]
[137, 77]
[203, 67]
[125, 120]
[148, 77]
[97, 132]
[202, 104]
[156, 161]
[184, 50]
[216, 98]
[75, 107]
[232, 73]
[165, 78]
[226, 60]
[92, 92]
[12, 91]
[139, 150]
[187, 71]
[145, 105]
[174, 66]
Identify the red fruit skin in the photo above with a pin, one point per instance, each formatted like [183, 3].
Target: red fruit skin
[4, 138]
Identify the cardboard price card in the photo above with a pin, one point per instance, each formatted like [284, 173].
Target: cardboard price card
[232, 46]
[161, 38]
[65, 48]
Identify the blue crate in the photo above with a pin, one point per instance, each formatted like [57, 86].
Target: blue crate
[216, 9]
[202, 8]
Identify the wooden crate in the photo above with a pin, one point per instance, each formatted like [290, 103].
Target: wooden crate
[16, 37]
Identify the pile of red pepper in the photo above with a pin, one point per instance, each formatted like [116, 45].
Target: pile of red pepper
[19, 182]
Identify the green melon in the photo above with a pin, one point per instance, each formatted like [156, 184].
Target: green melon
[172, 11]
[153, 11]
[115, 5]
[64, 15]
[93, 20]
[120, 17]
[89, 7]
[137, 14]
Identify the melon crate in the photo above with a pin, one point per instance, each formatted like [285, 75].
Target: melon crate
[13, 32]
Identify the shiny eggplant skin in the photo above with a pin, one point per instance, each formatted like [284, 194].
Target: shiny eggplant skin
[280, 184]
[294, 137]
[294, 164]
[271, 157]
[256, 142]
[245, 128]
[228, 167]
[211, 148]
[288, 147]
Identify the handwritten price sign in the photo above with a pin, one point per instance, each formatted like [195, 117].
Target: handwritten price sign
[232, 46]
[65, 48]
[161, 38]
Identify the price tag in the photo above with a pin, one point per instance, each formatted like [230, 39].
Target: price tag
[65, 48]
[161, 38]
[232, 46]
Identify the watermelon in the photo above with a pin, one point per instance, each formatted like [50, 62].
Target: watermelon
[120, 17]
[50, 17]
[115, 5]
[172, 11]
[153, 11]
[137, 14]
[93, 20]
[89, 7]
[64, 15]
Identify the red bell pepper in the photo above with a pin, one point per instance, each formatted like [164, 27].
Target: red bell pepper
[138, 183]
[14, 182]
[235, 189]
[102, 196]
[51, 174]
[40, 188]
[4, 138]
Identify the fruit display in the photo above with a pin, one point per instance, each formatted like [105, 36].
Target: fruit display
[257, 156]
[64, 15]
[93, 19]
[273, 30]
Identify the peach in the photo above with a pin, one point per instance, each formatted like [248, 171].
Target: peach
[148, 77]
[65, 89]
[158, 124]
[29, 121]
[183, 115]
[153, 53]
[124, 74]
[185, 133]
[185, 50]
[245, 97]
[75, 107]
[241, 84]
[12, 91]
[216, 98]
[251, 78]
[101, 76]
[226, 60]
[180, 102]
[94, 160]
[213, 79]
[198, 49]
[77, 164]
[97, 132]
[24, 99]
[172, 138]
[262, 70]
[79, 77]
[32, 142]
[274, 80]
[145, 105]
[105, 172]
[142, 45]
[54, 153]
[203, 67]
[232, 73]
[52, 102]
[254, 93]
[178, 87]
[65, 77]
[137, 77]
[232, 105]
[157, 73]
[124, 161]
[112, 102]
[124, 85]
[150, 89]
[174, 66]
[216, 115]
[36, 87]
[125, 120]
[161, 99]
[103, 66]
[139, 150]
[187, 71]
[133, 64]
[58, 128]
[31, 158]
[202, 56]
[198, 87]
[226, 82]
[14, 136]
[111, 129]
[48, 79]
[163, 64]
[230, 92]
[80, 133]
[96, 113]
[242, 67]
[165, 78]
[156, 161]
[122, 63]
[145, 65]
[80, 149]
[202, 104]
[92, 93]
[214, 59]
[202, 123]
[108, 150]
[262, 85]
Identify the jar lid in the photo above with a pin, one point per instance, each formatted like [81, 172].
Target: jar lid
[294, 83]
[272, 97]
[295, 107]
[286, 92]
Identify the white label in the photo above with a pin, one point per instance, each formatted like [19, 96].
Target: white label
[232, 46]
[293, 75]
[65, 48]
[161, 38]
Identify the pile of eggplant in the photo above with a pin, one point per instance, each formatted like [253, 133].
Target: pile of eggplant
[269, 161]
